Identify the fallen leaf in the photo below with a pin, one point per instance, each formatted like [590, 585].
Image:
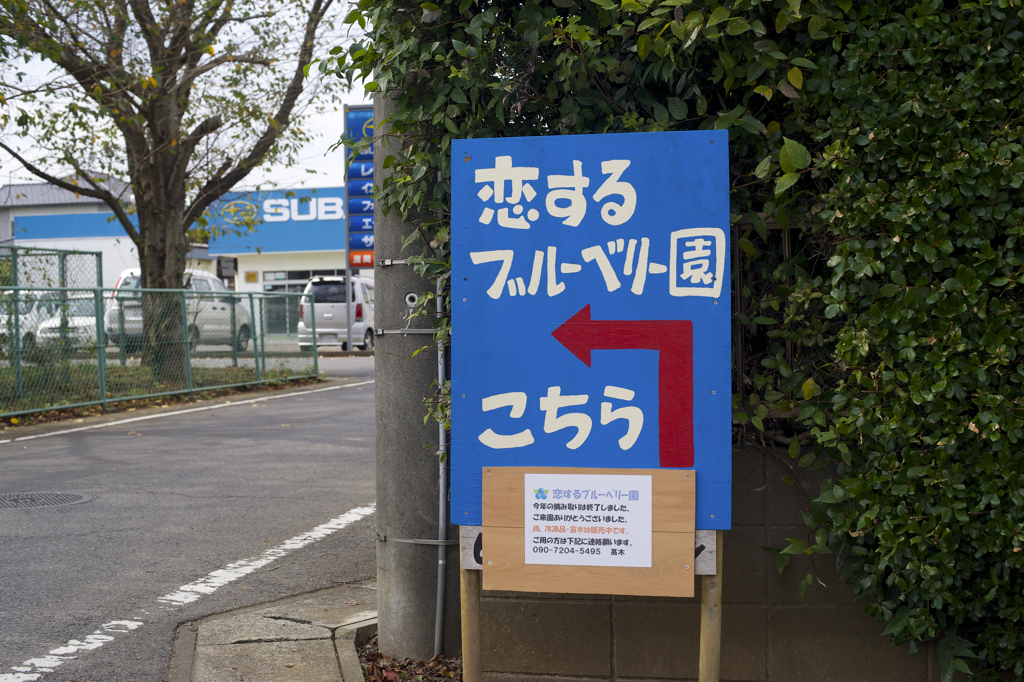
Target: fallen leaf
[285, 424]
[134, 433]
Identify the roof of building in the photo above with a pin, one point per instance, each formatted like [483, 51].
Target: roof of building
[45, 194]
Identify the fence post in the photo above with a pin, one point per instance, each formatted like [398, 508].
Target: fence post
[62, 280]
[312, 315]
[263, 332]
[122, 345]
[234, 332]
[18, 388]
[184, 334]
[255, 337]
[101, 347]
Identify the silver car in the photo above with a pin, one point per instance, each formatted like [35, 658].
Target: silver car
[210, 312]
[78, 313]
[328, 295]
[33, 310]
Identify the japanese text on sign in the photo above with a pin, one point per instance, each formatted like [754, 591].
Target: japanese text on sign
[588, 519]
[553, 421]
[696, 256]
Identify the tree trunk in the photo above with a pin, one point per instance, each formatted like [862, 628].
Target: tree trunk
[162, 256]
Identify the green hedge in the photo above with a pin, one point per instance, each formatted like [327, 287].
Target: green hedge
[879, 324]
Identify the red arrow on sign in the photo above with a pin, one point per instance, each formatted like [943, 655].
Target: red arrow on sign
[673, 339]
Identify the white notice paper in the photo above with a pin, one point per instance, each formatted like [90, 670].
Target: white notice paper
[588, 519]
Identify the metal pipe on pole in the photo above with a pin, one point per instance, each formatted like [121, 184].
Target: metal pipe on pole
[442, 495]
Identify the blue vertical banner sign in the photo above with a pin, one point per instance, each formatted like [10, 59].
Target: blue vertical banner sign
[359, 189]
[591, 309]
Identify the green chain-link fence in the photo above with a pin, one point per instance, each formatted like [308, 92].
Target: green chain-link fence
[22, 266]
[67, 347]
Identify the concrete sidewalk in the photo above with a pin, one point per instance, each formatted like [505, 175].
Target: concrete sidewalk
[310, 638]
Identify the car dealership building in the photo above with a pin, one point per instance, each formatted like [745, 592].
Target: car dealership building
[260, 241]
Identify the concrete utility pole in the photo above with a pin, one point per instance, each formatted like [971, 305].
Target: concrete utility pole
[407, 473]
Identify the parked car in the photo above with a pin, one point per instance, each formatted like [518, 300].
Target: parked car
[328, 295]
[80, 314]
[209, 312]
[33, 312]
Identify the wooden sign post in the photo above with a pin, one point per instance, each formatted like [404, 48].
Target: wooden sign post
[470, 579]
[711, 618]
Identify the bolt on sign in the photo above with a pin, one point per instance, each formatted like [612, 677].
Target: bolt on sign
[591, 313]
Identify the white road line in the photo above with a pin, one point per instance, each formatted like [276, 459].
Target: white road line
[172, 413]
[186, 594]
[34, 668]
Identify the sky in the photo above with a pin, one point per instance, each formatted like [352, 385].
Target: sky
[317, 166]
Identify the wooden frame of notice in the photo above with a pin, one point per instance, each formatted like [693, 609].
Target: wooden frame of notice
[502, 566]
[672, 524]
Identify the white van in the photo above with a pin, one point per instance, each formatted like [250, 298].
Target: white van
[328, 295]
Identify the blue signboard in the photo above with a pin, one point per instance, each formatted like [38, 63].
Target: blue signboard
[359, 124]
[360, 170]
[282, 220]
[360, 206]
[360, 223]
[591, 309]
[361, 241]
[359, 188]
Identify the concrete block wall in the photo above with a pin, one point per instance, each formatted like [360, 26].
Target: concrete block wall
[768, 632]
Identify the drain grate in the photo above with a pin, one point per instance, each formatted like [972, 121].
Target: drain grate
[36, 500]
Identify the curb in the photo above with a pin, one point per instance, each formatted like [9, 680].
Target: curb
[11, 434]
[322, 353]
[347, 643]
[315, 636]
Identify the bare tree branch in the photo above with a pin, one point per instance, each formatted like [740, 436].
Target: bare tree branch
[218, 186]
[219, 61]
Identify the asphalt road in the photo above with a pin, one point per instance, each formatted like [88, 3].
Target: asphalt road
[236, 491]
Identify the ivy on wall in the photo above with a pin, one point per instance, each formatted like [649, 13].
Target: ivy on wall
[876, 174]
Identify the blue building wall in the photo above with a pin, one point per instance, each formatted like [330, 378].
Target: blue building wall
[74, 226]
[286, 220]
